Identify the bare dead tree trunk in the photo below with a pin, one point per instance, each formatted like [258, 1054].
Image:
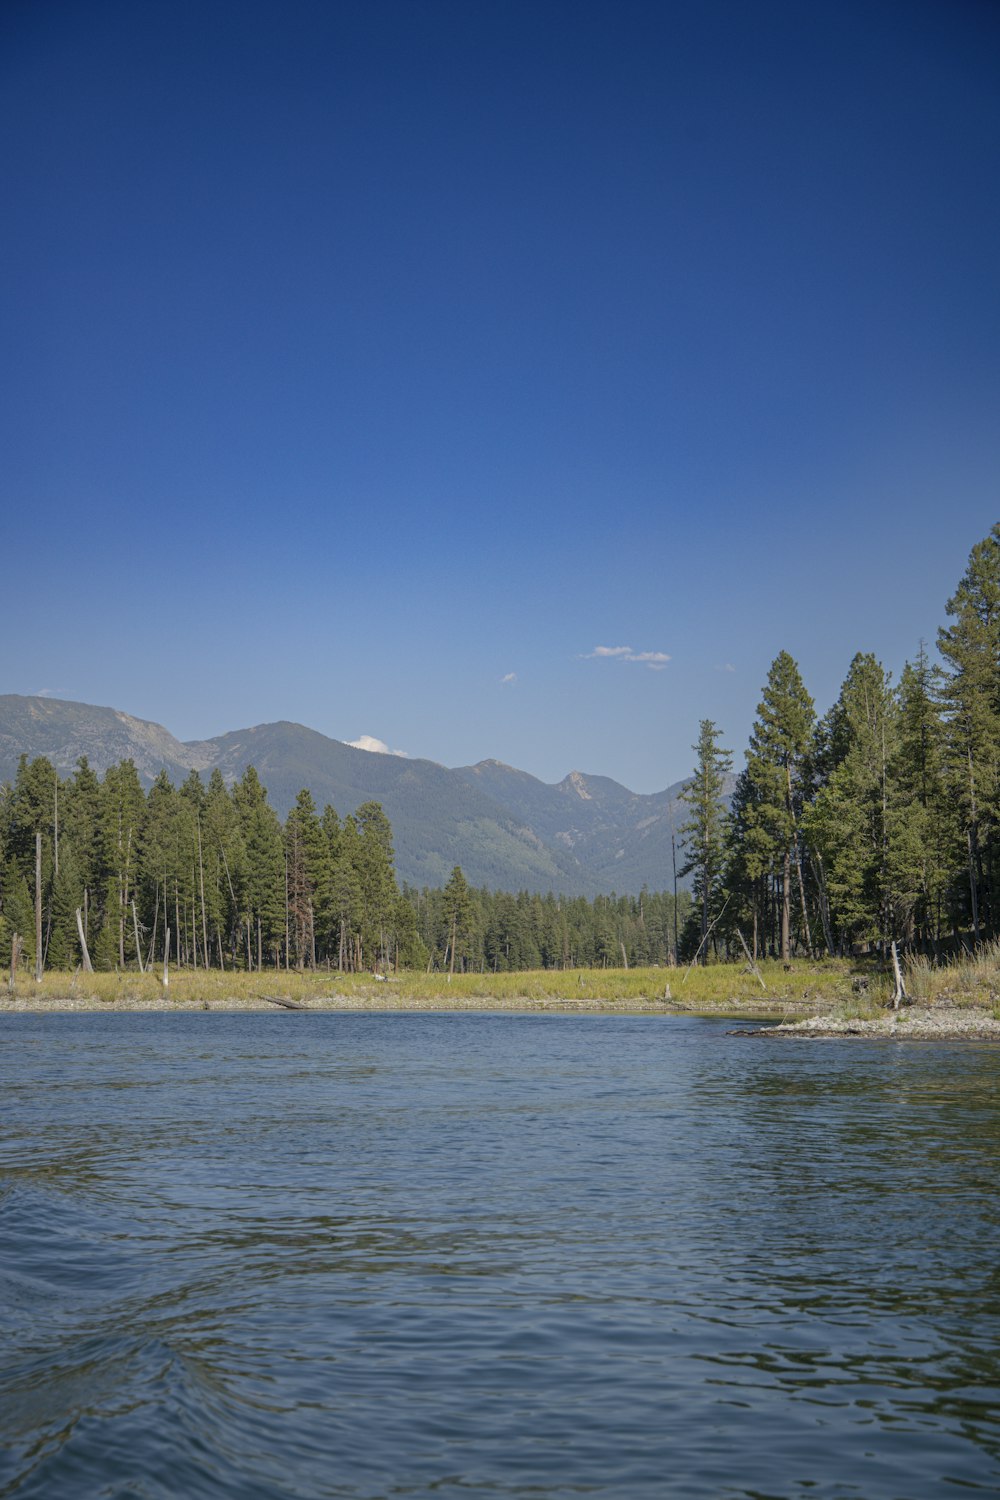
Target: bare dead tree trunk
[55, 825]
[194, 916]
[673, 856]
[899, 993]
[156, 918]
[123, 899]
[750, 960]
[973, 890]
[138, 948]
[38, 908]
[16, 947]
[786, 906]
[824, 905]
[166, 959]
[88, 967]
[201, 887]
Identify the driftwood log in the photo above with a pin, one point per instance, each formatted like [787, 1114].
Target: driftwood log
[285, 1004]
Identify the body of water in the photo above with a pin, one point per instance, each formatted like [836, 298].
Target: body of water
[276, 1256]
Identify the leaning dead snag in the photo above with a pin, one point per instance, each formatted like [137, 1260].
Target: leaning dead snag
[88, 967]
[899, 993]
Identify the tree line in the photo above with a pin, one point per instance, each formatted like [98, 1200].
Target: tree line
[468, 928]
[877, 822]
[99, 872]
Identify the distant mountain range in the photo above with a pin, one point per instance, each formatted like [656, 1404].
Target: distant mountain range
[507, 829]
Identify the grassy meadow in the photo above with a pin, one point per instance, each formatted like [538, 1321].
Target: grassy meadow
[804, 987]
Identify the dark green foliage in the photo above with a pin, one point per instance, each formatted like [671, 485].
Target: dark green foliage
[458, 912]
[767, 811]
[506, 932]
[704, 832]
[17, 915]
[971, 701]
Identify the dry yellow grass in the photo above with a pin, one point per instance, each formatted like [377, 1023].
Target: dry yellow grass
[802, 986]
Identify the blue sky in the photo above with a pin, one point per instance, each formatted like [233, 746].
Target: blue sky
[372, 365]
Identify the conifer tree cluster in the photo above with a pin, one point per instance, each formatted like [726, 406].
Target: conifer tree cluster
[462, 927]
[878, 822]
[202, 876]
[208, 877]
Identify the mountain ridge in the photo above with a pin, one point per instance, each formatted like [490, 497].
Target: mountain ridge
[584, 835]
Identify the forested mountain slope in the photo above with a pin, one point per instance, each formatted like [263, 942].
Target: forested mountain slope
[507, 829]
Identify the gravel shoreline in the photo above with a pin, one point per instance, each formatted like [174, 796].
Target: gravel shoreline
[330, 1004]
[938, 1023]
[915, 1023]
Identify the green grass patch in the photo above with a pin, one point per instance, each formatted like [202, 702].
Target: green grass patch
[802, 985]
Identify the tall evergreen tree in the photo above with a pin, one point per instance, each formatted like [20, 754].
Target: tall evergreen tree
[971, 694]
[860, 821]
[457, 911]
[263, 915]
[123, 807]
[923, 789]
[704, 831]
[777, 773]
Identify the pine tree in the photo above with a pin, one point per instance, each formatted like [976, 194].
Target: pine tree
[263, 915]
[16, 915]
[923, 789]
[224, 856]
[308, 865]
[123, 807]
[63, 949]
[704, 831]
[776, 780]
[860, 822]
[971, 695]
[377, 878]
[80, 803]
[457, 912]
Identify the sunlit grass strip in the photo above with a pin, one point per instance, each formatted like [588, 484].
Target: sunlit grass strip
[802, 984]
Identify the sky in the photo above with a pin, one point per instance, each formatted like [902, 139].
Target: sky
[488, 379]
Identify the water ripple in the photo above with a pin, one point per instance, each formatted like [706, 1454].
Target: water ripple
[498, 1256]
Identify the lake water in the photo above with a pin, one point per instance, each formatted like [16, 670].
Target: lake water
[493, 1255]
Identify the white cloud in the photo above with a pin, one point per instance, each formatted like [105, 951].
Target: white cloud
[654, 660]
[727, 666]
[51, 693]
[377, 747]
[510, 677]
